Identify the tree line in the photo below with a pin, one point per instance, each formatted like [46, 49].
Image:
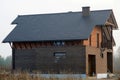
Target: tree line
[6, 62]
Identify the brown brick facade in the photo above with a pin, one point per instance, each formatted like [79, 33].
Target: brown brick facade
[101, 61]
[93, 37]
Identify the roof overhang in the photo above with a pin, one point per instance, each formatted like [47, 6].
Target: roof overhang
[112, 22]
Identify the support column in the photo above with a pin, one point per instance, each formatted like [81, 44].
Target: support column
[13, 58]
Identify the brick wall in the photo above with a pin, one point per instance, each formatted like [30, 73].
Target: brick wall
[93, 49]
[101, 62]
[96, 30]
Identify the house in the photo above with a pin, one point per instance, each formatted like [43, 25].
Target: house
[81, 42]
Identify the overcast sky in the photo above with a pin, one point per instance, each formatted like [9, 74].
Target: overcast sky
[10, 9]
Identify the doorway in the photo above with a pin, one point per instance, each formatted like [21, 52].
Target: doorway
[109, 62]
[91, 65]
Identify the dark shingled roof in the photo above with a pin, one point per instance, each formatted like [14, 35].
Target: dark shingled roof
[59, 26]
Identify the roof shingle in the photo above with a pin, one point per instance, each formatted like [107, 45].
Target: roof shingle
[59, 26]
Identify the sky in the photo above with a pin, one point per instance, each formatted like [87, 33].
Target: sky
[10, 9]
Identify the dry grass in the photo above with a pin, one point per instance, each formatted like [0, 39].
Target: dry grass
[7, 75]
[27, 76]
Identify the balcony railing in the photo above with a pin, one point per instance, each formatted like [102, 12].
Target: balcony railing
[107, 45]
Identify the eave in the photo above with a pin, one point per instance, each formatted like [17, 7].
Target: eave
[111, 21]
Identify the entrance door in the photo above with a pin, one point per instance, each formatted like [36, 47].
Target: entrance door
[110, 62]
[91, 65]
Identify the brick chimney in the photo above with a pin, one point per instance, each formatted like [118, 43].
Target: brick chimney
[86, 11]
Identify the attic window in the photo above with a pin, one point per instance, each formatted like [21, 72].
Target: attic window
[59, 56]
[59, 43]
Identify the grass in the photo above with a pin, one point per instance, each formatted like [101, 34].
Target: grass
[24, 75]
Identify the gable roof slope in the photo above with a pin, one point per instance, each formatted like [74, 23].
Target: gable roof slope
[59, 26]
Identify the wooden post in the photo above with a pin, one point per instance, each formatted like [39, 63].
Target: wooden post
[13, 58]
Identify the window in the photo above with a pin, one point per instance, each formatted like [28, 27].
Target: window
[97, 39]
[90, 41]
[59, 43]
[59, 56]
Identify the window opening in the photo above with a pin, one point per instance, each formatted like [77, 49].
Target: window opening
[59, 56]
[59, 43]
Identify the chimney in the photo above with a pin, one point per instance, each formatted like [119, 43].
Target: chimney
[86, 11]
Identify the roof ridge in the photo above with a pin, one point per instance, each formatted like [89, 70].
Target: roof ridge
[62, 13]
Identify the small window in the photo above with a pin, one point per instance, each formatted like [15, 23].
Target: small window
[98, 40]
[90, 40]
[59, 43]
[62, 43]
[59, 56]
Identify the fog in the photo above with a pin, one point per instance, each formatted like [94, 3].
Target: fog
[116, 61]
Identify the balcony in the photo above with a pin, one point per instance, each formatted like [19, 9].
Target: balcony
[107, 45]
